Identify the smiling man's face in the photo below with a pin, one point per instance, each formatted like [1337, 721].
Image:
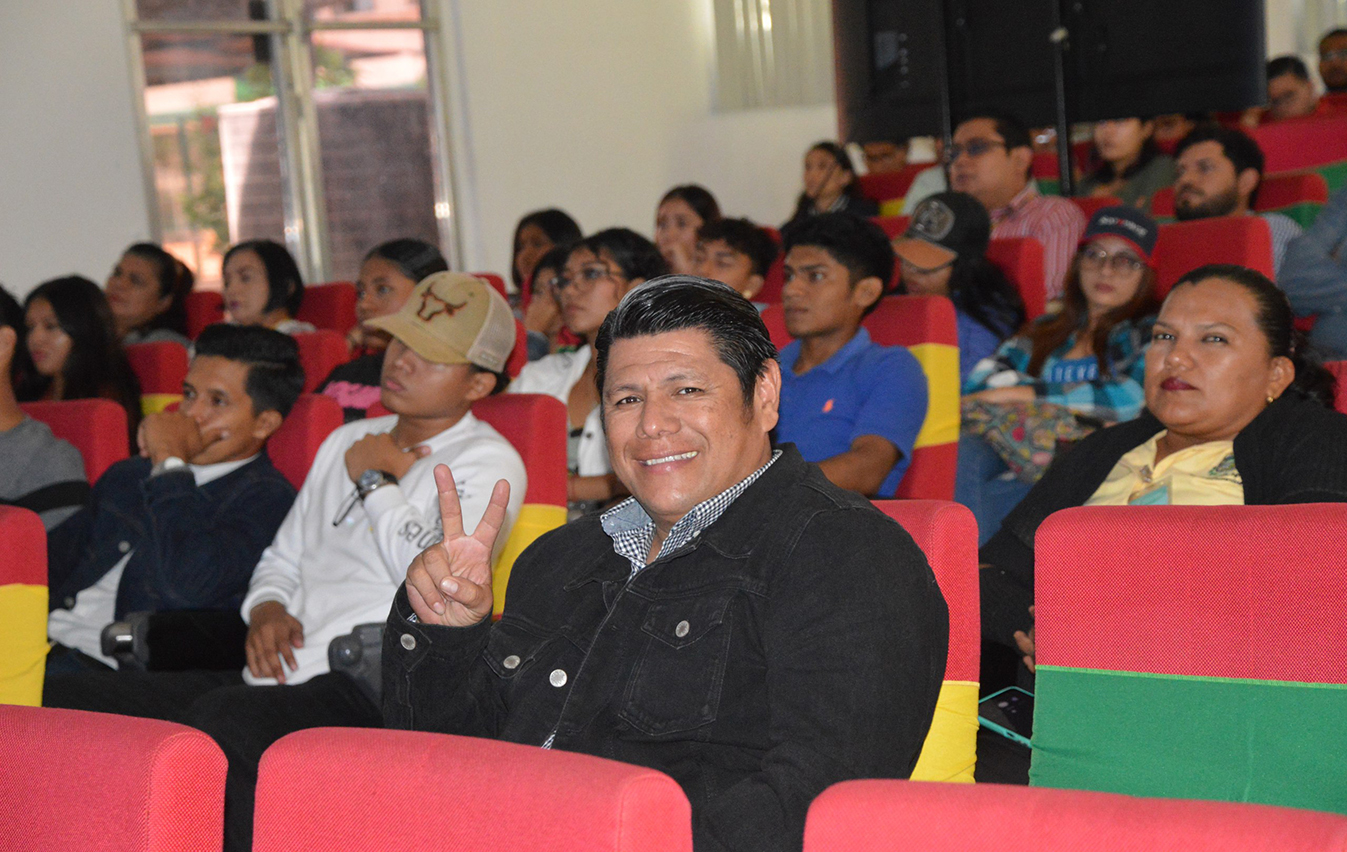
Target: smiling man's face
[679, 431]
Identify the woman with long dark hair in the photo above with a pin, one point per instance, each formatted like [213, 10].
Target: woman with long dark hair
[1130, 164]
[75, 349]
[1065, 374]
[262, 286]
[680, 213]
[147, 293]
[537, 234]
[830, 184]
[943, 253]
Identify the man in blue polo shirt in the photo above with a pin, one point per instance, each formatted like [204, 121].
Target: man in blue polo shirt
[850, 405]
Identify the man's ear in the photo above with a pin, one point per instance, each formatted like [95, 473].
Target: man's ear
[753, 287]
[1247, 182]
[266, 424]
[866, 292]
[480, 385]
[767, 395]
[1021, 158]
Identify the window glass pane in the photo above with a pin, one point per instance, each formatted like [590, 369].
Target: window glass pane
[217, 166]
[354, 11]
[201, 10]
[374, 132]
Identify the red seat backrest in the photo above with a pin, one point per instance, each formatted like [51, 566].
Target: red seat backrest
[1021, 259]
[97, 428]
[1045, 165]
[203, 308]
[160, 366]
[315, 789]
[1089, 204]
[535, 425]
[923, 816]
[139, 784]
[320, 352]
[947, 533]
[1339, 371]
[293, 446]
[1302, 143]
[776, 274]
[519, 356]
[330, 306]
[1183, 246]
[889, 185]
[24, 559]
[893, 226]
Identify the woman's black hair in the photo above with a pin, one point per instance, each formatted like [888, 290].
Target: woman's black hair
[699, 198]
[676, 302]
[555, 259]
[979, 288]
[1104, 173]
[1277, 322]
[11, 314]
[285, 284]
[414, 258]
[634, 255]
[175, 280]
[559, 227]
[96, 366]
[804, 205]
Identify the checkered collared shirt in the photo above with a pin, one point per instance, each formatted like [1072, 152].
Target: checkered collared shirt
[632, 530]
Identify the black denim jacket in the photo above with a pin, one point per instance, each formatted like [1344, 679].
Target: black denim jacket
[799, 641]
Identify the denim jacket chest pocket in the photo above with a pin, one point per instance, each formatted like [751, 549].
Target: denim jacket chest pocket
[676, 682]
[512, 649]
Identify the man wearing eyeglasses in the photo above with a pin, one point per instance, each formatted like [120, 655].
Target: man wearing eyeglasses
[1333, 62]
[1290, 93]
[990, 160]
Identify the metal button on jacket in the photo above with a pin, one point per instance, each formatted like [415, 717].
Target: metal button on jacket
[682, 629]
[123, 546]
[511, 662]
[557, 678]
[408, 641]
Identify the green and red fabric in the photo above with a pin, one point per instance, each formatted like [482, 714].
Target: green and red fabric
[1196, 652]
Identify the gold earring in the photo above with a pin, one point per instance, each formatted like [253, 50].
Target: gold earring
[1271, 399]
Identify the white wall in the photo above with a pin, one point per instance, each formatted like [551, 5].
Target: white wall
[598, 107]
[71, 191]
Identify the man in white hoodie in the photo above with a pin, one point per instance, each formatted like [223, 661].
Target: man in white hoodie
[368, 506]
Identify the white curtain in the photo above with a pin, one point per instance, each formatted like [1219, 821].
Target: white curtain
[772, 53]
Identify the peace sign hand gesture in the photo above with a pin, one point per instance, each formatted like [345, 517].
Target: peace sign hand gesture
[449, 583]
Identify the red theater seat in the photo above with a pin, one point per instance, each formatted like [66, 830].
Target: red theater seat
[1089, 205]
[1021, 259]
[294, 445]
[1302, 143]
[893, 226]
[161, 368]
[1183, 246]
[947, 534]
[925, 325]
[97, 428]
[889, 185]
[329, 789]
[915, 816]
[23, 606]
[320, 352]
[495, 281]
[1339, 371]
[1192, 651]
[775, 277]
[330, 306]
[72, 780]
[203, 308]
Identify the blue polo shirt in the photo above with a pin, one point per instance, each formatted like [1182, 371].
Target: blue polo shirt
[863, 389]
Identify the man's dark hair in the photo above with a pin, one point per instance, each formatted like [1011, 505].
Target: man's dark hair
[11, 313]
[744, 237]
[858, 244]
[285, 284]
[275, 376]
[1008, 127]
[1238, 147]
[634, 255]
[677, 302]
[1288, 64]
[1333, 33]
[502, 378]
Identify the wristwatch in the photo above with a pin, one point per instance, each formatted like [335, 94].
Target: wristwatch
[164, 466]
[373, 479]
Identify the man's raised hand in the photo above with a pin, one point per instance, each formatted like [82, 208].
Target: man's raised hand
[449, 583]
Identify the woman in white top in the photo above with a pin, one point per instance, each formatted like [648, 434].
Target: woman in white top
[598, 272]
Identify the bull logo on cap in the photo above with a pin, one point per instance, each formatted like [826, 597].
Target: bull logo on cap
[432, 306]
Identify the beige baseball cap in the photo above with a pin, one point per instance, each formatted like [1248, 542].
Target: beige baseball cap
[454, 318]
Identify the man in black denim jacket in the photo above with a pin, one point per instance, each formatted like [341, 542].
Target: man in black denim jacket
[740, 623]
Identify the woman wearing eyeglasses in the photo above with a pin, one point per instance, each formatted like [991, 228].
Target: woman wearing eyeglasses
[1065, 374]
[596, 274]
